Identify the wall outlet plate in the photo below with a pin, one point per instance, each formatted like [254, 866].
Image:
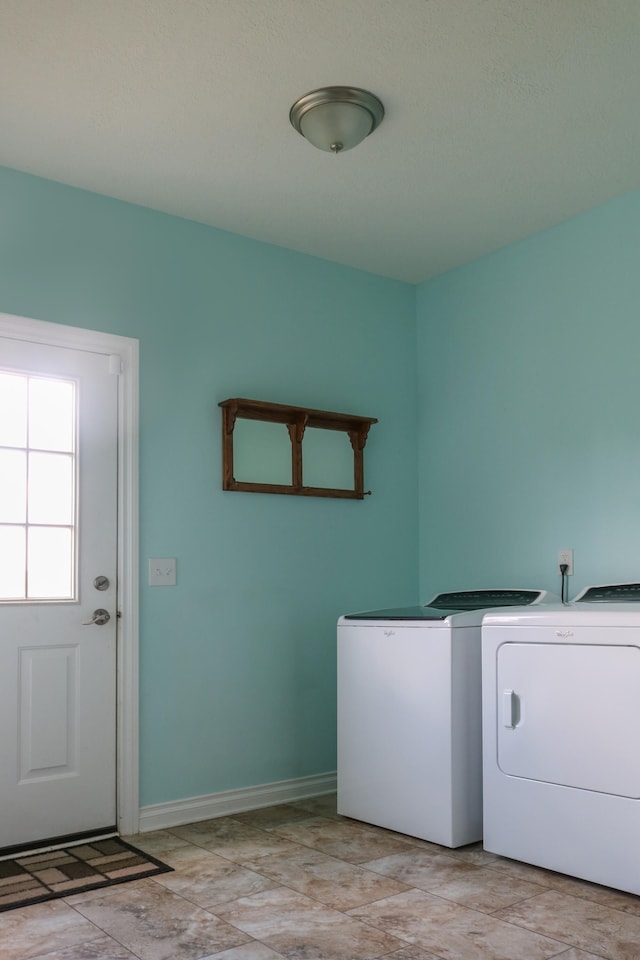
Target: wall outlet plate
[162, 572]
[566, 556]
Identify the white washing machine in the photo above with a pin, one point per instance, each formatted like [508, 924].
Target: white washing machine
[561, 735]
[409, 715]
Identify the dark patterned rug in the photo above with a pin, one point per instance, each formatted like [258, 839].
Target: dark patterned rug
[36, 877]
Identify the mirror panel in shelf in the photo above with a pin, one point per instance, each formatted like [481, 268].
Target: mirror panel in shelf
[261, 452]
[327, 459]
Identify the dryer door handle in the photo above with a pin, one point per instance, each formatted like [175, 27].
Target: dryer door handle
[510, 708]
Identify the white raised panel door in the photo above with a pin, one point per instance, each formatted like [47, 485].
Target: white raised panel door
[58, 533]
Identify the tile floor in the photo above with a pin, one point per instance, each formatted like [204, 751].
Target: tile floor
[299, 882]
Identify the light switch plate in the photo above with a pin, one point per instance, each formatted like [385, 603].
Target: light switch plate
[162, 572]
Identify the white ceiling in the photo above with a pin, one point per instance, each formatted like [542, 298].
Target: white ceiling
[503, 117]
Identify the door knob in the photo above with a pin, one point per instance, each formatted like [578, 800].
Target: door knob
[99, 618]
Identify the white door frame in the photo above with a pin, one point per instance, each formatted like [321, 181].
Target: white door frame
[126, 348]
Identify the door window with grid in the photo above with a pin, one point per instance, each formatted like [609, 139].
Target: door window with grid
[37, 487]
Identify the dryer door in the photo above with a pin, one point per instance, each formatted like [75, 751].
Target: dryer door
[569, 714]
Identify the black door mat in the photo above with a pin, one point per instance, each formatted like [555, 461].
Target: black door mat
[37, 877]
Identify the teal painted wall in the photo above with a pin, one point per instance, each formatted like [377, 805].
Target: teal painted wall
[530, 409]
[238, 660]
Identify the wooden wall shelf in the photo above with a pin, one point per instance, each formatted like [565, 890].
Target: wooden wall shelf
[297, 420]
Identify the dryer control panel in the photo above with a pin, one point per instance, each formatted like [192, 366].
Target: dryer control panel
[610, 593]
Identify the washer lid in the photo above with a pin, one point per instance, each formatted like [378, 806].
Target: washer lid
[445, 605]
[402, 613]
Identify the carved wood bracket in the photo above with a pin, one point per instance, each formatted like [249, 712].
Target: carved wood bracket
[359, 436]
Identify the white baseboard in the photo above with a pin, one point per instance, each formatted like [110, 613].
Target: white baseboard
[158, 816]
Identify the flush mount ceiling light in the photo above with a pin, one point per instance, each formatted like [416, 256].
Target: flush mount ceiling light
[336, 119]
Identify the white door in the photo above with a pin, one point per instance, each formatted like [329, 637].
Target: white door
[58, 537]
[566, 712]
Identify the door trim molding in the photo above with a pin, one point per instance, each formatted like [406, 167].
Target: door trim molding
[93, 341]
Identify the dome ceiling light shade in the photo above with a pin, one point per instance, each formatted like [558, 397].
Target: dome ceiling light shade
[336, 119]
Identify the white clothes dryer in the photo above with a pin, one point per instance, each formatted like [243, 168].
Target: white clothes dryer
[561, 735]
[409, 715]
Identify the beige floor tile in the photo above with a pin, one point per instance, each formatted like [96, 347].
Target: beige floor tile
[412, 952]
[233, 840]
[269, 817]
[473, 853]
[157, 842]
[298, 927]
[159, 925]
[454, 880]
[522, 871]
[581, 923]
[617, 899]
[206, 879]
[346, 840]
[323, 806]
[606, 896]
[337, 884]
[75, 898]
[415, 842]
[249, 951]
[574, 954]
[454, 932]
[43, 927]
[103, 949]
